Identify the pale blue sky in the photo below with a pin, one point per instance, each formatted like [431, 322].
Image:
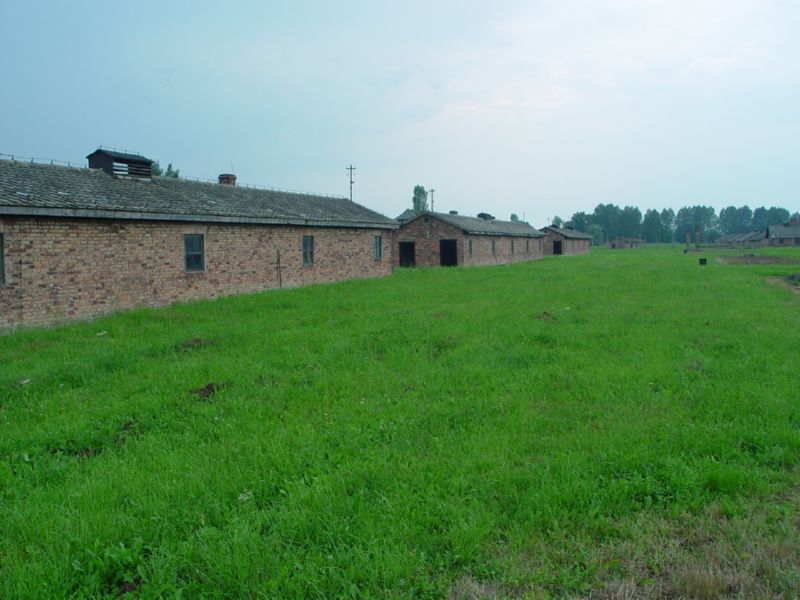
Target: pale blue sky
[541, 107]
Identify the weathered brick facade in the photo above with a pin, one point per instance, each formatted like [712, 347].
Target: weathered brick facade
[427, 231]
[63, 269]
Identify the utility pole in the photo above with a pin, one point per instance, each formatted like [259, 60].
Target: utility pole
[351, 168]
[432, 190]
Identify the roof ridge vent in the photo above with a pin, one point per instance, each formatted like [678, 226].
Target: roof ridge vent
[121, 164]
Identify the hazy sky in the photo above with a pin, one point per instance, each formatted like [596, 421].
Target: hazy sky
[539, 107]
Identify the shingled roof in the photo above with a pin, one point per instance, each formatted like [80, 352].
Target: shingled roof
[54, 191]
[474, 225]
[569, 233]
[783, 231]
[406, 215]
[741, 238]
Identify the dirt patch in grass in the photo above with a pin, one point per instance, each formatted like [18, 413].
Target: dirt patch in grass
[753, 259]
[130, 429]
[80, 452]
[544, 316]
[467, 588]
[791, 282]
[208, 390]
[129, 587]
[194, 344]
[752, 554]
[793, 279]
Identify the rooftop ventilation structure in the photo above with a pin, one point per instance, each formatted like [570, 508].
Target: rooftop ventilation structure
[226, 179]
[121, 164]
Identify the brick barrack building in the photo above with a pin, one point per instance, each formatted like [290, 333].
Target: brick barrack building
[77, 243]
[565, 240]
[434, 239]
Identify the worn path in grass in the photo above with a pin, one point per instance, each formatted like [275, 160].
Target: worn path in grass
[619, 423]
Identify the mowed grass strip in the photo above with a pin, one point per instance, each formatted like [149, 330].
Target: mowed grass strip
[569, 427]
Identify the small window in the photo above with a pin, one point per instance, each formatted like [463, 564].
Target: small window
[527, 246]
[494, 247]
[469, 247]
[194, 251]
[377, 247]
[512, 246]
[308, 249]
[2, 261]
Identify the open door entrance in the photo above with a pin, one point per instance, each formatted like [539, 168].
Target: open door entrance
[407, 254]
[448, 253]
[557, 247]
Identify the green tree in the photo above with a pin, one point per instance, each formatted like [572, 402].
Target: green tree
[514, 218]
[419, 203]
[667, 225]
[156, 169]
[608, 216]
[744, 219]
[580, 221]
[558, 221]
[764, 217]
[630, 222]
[729, 220]
[596, 232]
[777, 216]
[651, 226]
[690, 217]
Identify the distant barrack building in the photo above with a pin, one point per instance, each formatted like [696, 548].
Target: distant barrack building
[784, 235]
[82, 242]
[431, 239]
[565, 240]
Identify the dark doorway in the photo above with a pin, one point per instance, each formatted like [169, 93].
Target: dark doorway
[448, 253]
[407, 254]
[557, 247]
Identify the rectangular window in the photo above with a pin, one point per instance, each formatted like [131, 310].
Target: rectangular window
[527, 246]
[377, 247]
[308, 249]
[193, 247]
[494, 247]
[2, 261]
[512, 246]
[469, 247]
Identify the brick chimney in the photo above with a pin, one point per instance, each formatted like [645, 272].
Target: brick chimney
[227, 179]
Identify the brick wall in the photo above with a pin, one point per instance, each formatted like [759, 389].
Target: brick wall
[568, 246]
[58, 269]
[426, 232]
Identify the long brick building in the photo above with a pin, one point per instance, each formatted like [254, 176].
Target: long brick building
[77, 243]
[434, 239]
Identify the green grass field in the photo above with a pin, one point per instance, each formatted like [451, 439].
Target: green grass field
[622, 424]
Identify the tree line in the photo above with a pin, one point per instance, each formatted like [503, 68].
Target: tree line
[609, 221]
